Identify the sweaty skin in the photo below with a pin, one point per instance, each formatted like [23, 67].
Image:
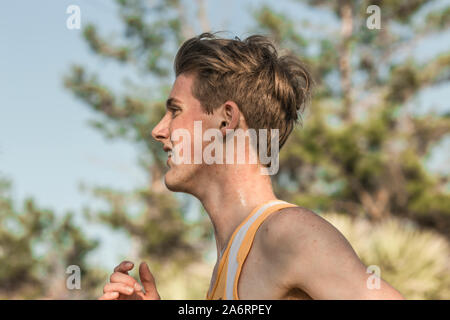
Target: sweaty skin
[296, 254]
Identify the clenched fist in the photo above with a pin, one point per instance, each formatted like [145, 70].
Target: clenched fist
[124, 287]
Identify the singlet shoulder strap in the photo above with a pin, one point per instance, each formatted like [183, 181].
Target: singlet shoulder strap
[242, 242]
[219, 286]
[237, 249]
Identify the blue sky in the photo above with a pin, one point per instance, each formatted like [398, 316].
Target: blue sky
[46, 147]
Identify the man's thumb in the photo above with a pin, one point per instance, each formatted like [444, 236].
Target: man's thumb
[148, 281]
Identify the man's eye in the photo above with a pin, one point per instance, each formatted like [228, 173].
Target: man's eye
[174, 112]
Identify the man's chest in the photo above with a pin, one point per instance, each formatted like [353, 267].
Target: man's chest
[259, 281]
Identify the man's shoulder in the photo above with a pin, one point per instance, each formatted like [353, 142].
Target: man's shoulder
[294, 230]
[290, 221]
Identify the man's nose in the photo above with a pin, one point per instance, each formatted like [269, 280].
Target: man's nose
[161, 130]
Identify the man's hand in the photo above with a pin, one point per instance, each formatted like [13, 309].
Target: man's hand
[124, 287]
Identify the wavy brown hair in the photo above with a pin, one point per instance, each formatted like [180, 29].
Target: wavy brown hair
[271, 90]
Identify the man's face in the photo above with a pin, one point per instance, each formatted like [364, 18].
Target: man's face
[182, 109]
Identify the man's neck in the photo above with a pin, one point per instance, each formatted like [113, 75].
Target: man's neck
[231, 197]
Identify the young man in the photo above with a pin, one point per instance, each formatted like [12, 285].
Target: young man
[266, 248]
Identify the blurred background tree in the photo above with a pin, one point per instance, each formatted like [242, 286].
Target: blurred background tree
[362, 149]
[412, 260]
[359, 157]
[36, 247]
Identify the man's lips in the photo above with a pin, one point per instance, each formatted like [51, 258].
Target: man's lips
[169, 153]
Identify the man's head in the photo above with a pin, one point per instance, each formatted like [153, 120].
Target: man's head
[231, 84]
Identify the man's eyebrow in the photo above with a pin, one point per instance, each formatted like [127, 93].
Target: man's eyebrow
[172, 102]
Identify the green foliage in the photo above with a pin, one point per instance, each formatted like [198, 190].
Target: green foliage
[360, 150]
[159, 225]
[438, 20]
[36, 247]
[416, 262]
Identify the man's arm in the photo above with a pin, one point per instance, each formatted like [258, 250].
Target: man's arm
[314, 256]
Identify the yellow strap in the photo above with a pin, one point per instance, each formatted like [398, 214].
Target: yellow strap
[224, 259]
[221, 276]
[248, 241]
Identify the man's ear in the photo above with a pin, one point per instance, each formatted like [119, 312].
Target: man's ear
[229, 117]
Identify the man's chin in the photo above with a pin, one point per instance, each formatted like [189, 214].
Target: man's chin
[171, 187]
[182, 178]
[171, 183]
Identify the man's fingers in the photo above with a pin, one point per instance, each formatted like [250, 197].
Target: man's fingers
[124, 267]
[148, 281]
[109, 296]
[118, 287]
[119, 277]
